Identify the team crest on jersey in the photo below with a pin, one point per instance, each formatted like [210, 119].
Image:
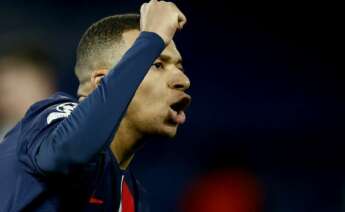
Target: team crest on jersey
[62, 111]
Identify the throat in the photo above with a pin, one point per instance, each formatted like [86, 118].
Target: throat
[124, 145]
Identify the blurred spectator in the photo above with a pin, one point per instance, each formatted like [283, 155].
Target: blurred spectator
[227, 183]
[228, 190]
[26, 76]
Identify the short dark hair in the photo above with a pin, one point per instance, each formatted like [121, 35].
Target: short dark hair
[97, 47]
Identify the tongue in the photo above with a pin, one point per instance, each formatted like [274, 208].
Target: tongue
[180, 117]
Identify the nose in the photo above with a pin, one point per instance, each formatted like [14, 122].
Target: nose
[180, 82]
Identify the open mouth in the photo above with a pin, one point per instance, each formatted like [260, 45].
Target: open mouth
[181, 105]
[178, 110]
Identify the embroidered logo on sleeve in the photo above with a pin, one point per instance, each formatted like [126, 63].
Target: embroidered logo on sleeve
[62, 111]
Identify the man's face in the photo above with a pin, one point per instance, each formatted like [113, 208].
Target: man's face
[159, 103]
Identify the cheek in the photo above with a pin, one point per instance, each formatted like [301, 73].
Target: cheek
[149, 102]
[152, 91]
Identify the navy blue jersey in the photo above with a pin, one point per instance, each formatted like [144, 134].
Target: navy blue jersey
[57, 158]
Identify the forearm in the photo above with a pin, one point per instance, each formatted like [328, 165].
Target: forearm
[86, 131]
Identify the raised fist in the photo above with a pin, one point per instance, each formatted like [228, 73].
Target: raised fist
[162, 18]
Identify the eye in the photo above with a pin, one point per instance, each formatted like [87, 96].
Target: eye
[181, 69]
[180, 66]
[158, 65]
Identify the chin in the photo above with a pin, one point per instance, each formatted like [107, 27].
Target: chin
[173, 132]
[171, 135]
[165, 129]
[168, 131]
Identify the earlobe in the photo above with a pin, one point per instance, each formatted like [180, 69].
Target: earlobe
[96, 77]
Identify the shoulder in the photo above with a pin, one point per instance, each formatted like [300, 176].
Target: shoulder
[39, 121]
[43, 116]
[47, 111]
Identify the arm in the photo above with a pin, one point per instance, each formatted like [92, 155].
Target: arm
[76, 139]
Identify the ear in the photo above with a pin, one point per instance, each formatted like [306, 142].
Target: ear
[96, 77]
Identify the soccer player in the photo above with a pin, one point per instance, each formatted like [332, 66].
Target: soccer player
[69, 155]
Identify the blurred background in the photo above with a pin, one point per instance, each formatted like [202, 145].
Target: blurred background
[265, 130]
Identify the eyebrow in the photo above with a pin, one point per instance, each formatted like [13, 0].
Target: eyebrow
[167, 58]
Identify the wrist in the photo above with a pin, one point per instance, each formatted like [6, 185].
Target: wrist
[157, 35]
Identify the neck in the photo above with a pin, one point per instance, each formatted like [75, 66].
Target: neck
[125, 143]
